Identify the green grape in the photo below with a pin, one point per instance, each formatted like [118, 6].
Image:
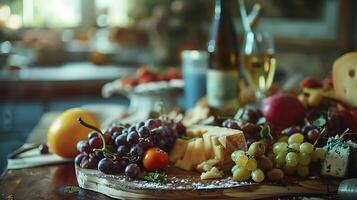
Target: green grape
[289, 170]
[235, 154]
[280, 147]
[306, 147]
[292, 159]
[256, 149]
[305, 159]
[241, 174]
[296, 138]
[251, 164]
[303, 171]
[234, 168]
[314, 157]
[242, 160]
[275, 174]
[294, 146]
[264, 163]
[283, 139]
[280, 158]
[320, 153]
[257, 175]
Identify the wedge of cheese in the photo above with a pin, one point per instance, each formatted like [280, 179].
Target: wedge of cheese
[344, 76]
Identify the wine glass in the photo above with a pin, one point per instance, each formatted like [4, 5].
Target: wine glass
[259, 62]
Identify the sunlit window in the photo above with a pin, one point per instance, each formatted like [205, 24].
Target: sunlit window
[112, 12]
[51, 13]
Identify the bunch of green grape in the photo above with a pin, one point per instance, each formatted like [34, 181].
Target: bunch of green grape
[293, 155]
[254, 164]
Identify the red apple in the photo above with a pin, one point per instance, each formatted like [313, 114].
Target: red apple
[282, 111]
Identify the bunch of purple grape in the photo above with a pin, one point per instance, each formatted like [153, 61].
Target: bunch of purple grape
[126, 145]
[246, 122]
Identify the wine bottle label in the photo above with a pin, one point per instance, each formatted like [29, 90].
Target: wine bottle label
[222, 89]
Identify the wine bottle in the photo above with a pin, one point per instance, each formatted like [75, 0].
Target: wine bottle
[223, 72]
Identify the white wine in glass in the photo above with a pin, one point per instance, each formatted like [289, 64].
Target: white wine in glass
[259, 62]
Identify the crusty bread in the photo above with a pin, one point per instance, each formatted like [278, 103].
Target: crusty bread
[344, 76]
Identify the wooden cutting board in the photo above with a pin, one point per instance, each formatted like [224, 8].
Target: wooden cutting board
[187, 185]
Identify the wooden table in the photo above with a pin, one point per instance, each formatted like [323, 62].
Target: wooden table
[54, 182]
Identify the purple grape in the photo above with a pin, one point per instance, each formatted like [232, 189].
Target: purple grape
[156, 134]
[119, 165]
[121, 140]
[137, 151]
[92, 135]
[99, 154]
[132, 138]
[132, 128]
[158, 122]
[144, 132]
[84, 147]
[305, 129]
[291, 130]
[108, 138]
[87, 163]
[313, 134]
[148, 143]
[79, 158]
[115, 135]
[250, 115]
[43, 149]
[112, 147]
[150, 123]
[132, 170]
[123, 150]
[251, 131]
[179, 129]
[94, 159]
[105, 165]
[139, 125]
[234, 125]
[96, 143]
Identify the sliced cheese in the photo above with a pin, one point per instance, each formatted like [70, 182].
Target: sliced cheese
[186, 162]
[207, 165]
[218, 149]
[208, 146]
[178, 150]
[198, 154]
[212, 174]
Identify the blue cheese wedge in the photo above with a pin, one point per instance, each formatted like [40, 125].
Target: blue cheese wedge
[337, 158]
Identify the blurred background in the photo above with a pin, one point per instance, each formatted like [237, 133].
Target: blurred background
[57, 54]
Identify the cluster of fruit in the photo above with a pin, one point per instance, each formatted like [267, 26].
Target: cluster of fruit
[289, 155]
[146, 75]
[295, 155]
[254, 164]
[129, 148]
[247, 120]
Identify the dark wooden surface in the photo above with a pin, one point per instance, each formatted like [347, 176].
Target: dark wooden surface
[72, 80]
[56, 182]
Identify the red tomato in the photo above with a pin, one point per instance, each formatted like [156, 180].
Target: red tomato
[155, 159]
